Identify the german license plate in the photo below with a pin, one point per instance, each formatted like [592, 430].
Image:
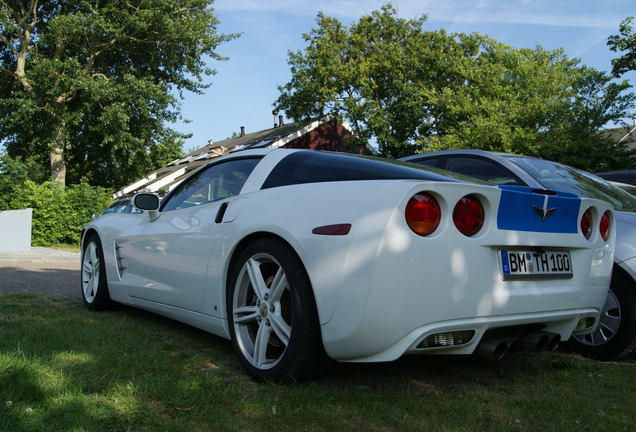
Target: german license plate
[525, 264]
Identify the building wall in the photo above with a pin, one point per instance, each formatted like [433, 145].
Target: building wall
[15, 230]
[330, 136]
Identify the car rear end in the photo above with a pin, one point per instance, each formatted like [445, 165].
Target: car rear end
[460, 268]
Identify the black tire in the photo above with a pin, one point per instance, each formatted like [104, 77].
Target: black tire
[93, 284]
[272, 314]
[615, 336]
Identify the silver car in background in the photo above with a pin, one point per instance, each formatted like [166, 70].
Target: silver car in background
[615, 337]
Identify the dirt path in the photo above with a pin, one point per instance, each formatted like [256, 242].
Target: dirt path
[43, 271]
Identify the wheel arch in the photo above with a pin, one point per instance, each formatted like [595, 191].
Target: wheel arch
[238, 250]
[627, 272]
[85, 234]
[244, 243]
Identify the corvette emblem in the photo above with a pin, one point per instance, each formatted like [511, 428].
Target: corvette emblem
[545, 211]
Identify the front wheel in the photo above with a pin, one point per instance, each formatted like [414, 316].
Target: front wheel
[94, 286]
[272, 314]
[615, 336]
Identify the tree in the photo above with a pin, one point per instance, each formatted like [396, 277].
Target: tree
[625, 41]
[533, 102]
[379, 75]
[412, 90]
[91, 84]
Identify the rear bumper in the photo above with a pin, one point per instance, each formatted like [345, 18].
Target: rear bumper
[561, 323]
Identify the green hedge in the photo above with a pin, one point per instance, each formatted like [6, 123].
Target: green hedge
[59, 212]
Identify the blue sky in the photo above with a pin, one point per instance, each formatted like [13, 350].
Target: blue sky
[244, 87]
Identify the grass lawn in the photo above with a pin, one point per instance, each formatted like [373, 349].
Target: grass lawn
[64, 368]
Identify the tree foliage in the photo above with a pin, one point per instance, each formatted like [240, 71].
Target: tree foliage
[625, 42]
[89, 86]
[12, 175]
[58, 212]
[412, 90]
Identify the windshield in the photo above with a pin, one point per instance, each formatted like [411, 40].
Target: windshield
[564, 178]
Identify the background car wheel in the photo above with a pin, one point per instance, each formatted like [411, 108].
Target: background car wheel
[615, 336]
[272, 313]
[94, 287]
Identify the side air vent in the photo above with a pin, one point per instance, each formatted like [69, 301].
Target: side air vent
[121, 261]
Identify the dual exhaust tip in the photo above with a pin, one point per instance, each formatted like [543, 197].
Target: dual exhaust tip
[498, 348]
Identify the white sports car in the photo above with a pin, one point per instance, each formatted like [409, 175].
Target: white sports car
[294, 254]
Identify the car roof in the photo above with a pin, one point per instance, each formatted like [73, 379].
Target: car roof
[623, 176]
[499, 157]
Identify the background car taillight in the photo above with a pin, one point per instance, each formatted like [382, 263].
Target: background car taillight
[605, 226]
[586, 224]
[422, 214]
[468, 215]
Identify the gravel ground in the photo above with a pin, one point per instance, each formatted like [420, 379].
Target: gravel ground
[45, 271]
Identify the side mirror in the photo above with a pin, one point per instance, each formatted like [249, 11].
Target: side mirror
[147, 202]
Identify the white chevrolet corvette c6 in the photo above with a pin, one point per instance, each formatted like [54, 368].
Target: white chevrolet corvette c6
[296, 255]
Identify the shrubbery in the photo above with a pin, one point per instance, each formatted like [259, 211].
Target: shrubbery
[58, 212]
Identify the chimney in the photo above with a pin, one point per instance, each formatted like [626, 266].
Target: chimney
[275, 113]
[242, 131]
[280, 120]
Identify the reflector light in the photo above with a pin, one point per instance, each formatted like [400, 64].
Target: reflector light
[422, 214]
[586, 224]
[337, 229]
[468, 215]
[449, 339]
[605, 225]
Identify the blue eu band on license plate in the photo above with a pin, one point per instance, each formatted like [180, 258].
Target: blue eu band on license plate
[524, 264]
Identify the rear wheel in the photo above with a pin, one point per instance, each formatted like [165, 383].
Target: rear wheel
[272, 313]
[615, 336]
[94, 286]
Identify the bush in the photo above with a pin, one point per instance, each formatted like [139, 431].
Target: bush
[59, 212]
[12, 175]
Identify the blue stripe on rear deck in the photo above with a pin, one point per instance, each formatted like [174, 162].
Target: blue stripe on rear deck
[517, 211]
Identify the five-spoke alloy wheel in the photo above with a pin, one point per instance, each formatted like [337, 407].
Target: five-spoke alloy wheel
[272, 312]
[94, 287]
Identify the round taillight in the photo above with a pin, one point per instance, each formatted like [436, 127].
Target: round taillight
[468, 215]
[605, 226]
[422, 214]
[586, 224]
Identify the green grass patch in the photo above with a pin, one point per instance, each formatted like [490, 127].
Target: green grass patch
[66, 247]
[64, 368]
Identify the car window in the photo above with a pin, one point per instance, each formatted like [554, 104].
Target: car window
[315, 167]
[555, 176]
[112, 208]
[483, 169]
[218, 181]
[129, 208]
[121, 206]
[429, 162]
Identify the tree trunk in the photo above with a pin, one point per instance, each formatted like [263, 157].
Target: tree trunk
[58, 146]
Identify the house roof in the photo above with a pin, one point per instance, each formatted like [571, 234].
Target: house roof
[166, 178]
[626, 134]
